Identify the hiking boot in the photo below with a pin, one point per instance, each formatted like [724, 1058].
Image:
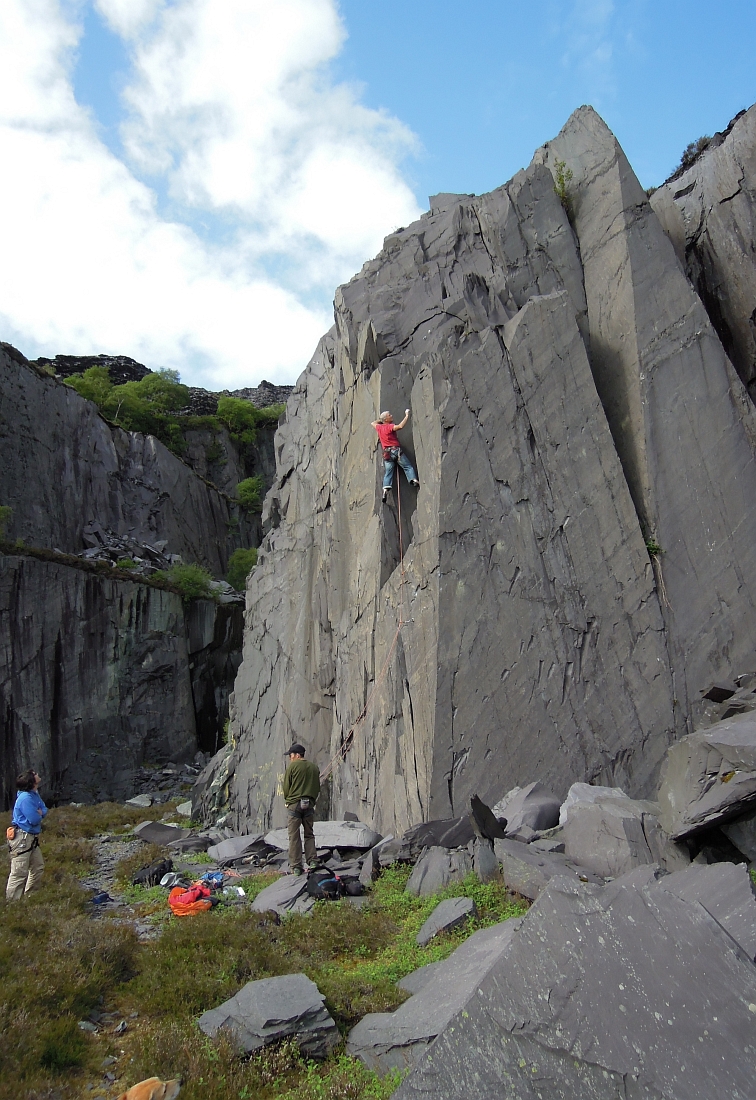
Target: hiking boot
[297, 871]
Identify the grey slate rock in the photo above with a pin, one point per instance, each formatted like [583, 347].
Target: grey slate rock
[143, 801]
[270, 1009]
[448, 914]
[485, 863]
[657, 360]
[451, 833]
[709, 214]
[613, 837]
[586, 794]
[742, 833]
[153, 832]
[709, 777]
[726, 892]
[534, 807]
[436, 868]
[475, 318]
[282, 895]
[236, 847]
[386, 1040]
[331, 834]
[418, 979]
[527, 871]
[484, 821]
[607, 993]
[371, 864]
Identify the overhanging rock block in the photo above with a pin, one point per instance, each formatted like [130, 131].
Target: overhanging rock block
[275, 1008]
[709, 777]
[388, 1040]
[528, 870]
[605, 993]
[533, 806]
[742, 833]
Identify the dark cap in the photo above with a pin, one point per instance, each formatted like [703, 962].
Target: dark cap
[300, 750]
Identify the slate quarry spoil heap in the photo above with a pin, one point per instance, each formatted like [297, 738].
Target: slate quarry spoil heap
[573, 414]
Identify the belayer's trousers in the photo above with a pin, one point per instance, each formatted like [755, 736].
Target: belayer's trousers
[26, 865]
[301, 819]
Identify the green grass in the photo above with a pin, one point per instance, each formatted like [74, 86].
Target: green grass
[57, 965]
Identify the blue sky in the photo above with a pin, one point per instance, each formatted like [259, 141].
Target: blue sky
[192, 178]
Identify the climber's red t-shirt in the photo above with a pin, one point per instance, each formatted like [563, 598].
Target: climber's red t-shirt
[387, 435]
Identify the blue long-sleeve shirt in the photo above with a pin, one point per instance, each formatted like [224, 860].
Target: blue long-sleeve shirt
[29, 811]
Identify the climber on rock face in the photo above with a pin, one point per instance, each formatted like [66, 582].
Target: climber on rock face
[392, 451]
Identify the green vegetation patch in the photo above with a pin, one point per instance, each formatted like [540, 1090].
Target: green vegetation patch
[192, 581]
[57, 965]
[240, 565]
[249, 493]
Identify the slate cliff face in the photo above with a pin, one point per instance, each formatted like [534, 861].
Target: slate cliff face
[570, 400]
[62, 466]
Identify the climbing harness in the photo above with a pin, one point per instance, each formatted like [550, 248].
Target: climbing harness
[348, 740]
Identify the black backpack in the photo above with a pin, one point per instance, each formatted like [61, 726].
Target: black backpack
[324, 885]
[151, 875]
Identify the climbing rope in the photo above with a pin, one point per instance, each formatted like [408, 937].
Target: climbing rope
[348, 740]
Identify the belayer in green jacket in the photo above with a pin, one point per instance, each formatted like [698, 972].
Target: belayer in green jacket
[301, 787]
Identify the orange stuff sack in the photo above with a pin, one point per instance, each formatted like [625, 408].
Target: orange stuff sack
[153, 1089]
[185, 903]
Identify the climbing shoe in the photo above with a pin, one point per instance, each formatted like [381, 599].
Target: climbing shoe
[386, 495]
[297, 871]
[416, 483]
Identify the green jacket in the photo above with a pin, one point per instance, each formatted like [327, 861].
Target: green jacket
[301, 780]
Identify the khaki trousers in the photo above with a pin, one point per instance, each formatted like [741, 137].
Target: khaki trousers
[299, 819]
[26, 865]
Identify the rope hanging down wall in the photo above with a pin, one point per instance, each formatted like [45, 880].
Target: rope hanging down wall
[348, 740]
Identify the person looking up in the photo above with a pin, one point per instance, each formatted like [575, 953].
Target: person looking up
[392, 451]
[23, 837]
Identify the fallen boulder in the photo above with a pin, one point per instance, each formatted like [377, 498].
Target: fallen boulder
[485, 863]
[448, 914]
[613, 837]
[625, 990]
[484, 821]
[533, 807]
[436, 868]
[153, 832]
[742, 833]
[726, 892]
[709, 777]
[446, 833]
[371, 864]
[275, 1008]
[527, 870]
[282, 895]
[331, 834]
[388, 1040]
[236, 847]
[585, 794]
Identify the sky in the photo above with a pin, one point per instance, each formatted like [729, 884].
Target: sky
[187, 181]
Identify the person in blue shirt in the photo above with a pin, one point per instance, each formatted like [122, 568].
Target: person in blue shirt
[26, 859]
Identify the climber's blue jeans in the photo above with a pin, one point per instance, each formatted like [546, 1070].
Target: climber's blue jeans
[388, 469]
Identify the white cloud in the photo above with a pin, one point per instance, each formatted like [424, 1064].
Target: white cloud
[237, 117]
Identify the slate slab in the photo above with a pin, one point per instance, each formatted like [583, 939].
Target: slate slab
[448, 914]
[485, 863]
[742, 833]
[445, 833]
[387, 1040]
[331, 834]
[528, 871]
[436, 868]
[236, 847]
[153, 832]
[275, 1008]
[611, 838]
[371, 864]
[534, 807]
[143, 801]
[484, 821]
[709, 777]
[184, 809]
[726, 892]
[585, 794]
[621, 991]
[281, 895]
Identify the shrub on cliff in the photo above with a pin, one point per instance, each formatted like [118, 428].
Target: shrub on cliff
[148, 406]
[5, 517]
[249, 493]
[192, 580]
[240, 565]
